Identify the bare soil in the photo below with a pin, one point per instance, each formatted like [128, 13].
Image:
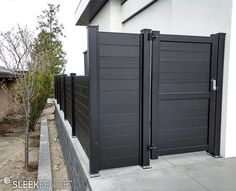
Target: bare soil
[12, 152]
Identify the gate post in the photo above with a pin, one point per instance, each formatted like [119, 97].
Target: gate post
[155, 93]
[73, 103]
[220, 70]
[217, 59]
[93, 60]
[145, 97]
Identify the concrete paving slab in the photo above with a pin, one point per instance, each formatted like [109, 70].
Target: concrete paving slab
[166, 179]
[155, 164]
[160, 163]
[120, 171]
[190, 171]
[229, 162]
[217, 175]
[188, 158]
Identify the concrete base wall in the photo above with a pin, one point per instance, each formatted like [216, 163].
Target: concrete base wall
[75, 157]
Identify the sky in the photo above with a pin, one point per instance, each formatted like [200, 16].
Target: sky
[25, 12]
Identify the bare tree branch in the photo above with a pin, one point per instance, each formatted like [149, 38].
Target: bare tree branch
[16, 54]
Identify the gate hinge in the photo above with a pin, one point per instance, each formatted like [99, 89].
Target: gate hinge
[152, 36]
[151, 147]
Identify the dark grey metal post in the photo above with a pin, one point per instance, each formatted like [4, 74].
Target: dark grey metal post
[155, 70]
[60, 97]
[214, 55]
[220, 70]
[86, 66]
[146, 97]
[73, 103]
[217, 62]
[64, 107]
[55, 88]
[93, 60]
[58, 90]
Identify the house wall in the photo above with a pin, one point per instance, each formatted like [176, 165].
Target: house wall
[103, 18]
[7, 106]
[4, 103]
[230, 131]
[109, 19]
[201, 17]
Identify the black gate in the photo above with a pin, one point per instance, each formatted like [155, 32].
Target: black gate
[185, 75]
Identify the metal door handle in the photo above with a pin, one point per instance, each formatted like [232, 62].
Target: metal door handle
[214, 87]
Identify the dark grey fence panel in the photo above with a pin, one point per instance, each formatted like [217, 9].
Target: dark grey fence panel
[119, 99]
[82, 113]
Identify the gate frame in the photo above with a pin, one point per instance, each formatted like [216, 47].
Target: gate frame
[218, 46]
[217, 42]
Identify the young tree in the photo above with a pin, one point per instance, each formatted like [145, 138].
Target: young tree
[16, 54]
[48, 53]
[48, 43]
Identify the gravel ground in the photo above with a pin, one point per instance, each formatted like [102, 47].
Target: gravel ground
[59, 170]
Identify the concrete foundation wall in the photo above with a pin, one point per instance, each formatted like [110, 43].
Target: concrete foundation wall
[73, 153]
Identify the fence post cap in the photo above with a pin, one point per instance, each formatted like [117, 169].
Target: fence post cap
[73, 74]
[146, 30]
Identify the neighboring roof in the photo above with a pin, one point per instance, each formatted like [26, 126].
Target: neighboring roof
[91, 10]
[5, 73]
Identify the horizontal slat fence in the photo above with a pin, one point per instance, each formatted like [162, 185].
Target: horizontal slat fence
[142, 95]
[82, 116]
[72, 94]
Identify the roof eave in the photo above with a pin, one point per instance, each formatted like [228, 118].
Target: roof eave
[91, 10]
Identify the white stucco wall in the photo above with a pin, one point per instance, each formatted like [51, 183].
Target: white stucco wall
[230, 131]
[103, 18]
[189, 17]
[109, 18]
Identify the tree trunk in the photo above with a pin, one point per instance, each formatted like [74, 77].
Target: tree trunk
[27, 143]
[27, 136]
